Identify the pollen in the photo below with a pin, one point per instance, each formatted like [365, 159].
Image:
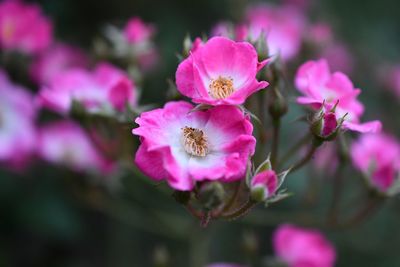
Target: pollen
[221, 87]
[194, 141]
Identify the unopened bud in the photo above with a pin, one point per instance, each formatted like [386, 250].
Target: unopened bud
[278, 105]
[211, 195]
[325, 125]
[263, 185]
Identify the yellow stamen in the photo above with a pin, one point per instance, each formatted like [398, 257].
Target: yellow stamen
[194, 141]
[221, 87]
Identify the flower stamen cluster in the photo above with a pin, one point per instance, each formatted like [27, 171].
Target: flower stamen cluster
[221, 87]
[194, 141]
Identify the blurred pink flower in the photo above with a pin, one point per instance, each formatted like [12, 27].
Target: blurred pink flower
[378, 157]
[299, 247]
[326, 159]
[224, 29]
[318, 85]
[389, 76]
[197, 43]
[23, 27]
[184, 147]
[66, 143]
[338, 56]
[106, 90]
[55, 60]
[220, 72]
[137, 31]
[17, 129]
[320, 33]
[283, 27]
[266, 183]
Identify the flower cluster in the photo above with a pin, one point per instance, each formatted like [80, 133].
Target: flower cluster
[186, 146]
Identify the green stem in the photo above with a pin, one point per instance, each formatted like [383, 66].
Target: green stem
[305, 159]
[275, 141]
[364, 213]
[292, 151]
[337, 193]
[243, 210]
[232, 200]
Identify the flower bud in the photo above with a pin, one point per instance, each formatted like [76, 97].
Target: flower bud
[263, 185]
[211, 195]
[325, 125]
[278, 105]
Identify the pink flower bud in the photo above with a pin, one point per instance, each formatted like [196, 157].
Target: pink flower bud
[263, 185]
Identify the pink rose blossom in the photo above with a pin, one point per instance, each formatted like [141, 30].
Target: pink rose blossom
[283, 27]
[17, 129]
[105, 90]
[220, 72]
[377, 156]
[184, 147]
[55, 60]
[136, 31]
[299, 247]
[266, 183]
[23, 27]
[66, 143]
[318, 85]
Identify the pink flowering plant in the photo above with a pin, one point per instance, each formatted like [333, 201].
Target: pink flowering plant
[261, 124]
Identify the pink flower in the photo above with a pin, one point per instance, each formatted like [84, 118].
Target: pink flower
[184, 147]
[220, 72]
[55, 60]
[318, 85]
[264, 185]
[66, 143]
[23, 27]
[378, 157]
[299, 247]
[17, 129]
[283, 28]
[137, 31]
[105, 90]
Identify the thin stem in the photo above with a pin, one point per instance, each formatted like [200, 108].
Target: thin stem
[364, 213]
[232, 200]
[305, 159]
[337, 193]
[243, 210]
[292, 151]
[275, 141]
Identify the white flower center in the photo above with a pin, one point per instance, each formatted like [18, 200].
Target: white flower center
[194, 141]
[221, 87]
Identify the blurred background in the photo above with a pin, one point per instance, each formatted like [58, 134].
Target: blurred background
[52, 217]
